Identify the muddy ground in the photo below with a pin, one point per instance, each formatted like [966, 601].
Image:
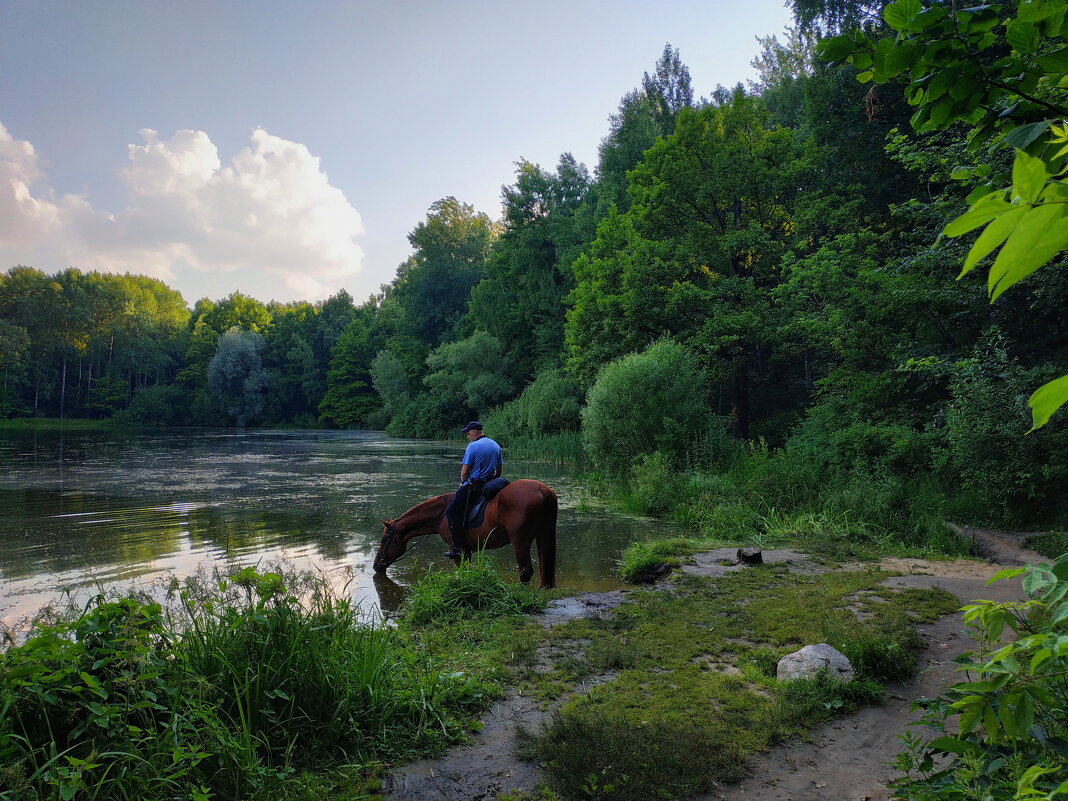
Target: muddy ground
[846, 760]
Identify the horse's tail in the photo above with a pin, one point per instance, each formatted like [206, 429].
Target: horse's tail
[546, 539]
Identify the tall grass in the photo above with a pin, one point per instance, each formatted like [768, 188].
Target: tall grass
[473, 589]
[231, 690]
[768, 498]
[54, 424]
[564, 448]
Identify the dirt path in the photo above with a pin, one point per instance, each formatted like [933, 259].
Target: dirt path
[847, 760]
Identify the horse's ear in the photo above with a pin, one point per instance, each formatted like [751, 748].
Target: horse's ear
[386, 523]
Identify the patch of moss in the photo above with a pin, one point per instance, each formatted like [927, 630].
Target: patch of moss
[694, 691]
[540, 793]
[645, 562]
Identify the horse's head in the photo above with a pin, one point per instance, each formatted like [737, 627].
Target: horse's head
[391, 548]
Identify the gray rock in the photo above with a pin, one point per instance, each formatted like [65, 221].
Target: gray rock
[750, 556]
[812, 660]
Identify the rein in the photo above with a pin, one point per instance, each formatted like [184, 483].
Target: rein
[391, 530]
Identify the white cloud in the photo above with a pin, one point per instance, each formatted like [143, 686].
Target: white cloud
[25, 220]
[271, 213]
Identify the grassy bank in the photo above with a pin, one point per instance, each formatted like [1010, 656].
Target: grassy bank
[694, 691]
[253, 686]
[776, 498]
[265, 685]
[54, 424]
[683, 681]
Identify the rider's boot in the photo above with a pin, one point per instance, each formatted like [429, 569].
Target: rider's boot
[459, 543]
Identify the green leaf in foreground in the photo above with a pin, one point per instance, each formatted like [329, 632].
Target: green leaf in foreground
[1039, 236]
[1046, 400]
[994, 234]
[1028, 176]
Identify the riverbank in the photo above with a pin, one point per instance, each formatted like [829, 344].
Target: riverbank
[55, 424]
[258, 684]
[653, 693]
[664, 691]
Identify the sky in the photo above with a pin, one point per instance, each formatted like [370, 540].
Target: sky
[286, 149]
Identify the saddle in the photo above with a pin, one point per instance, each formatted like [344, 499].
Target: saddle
[477, 511]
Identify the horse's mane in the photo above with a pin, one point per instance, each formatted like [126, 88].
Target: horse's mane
[423, 513]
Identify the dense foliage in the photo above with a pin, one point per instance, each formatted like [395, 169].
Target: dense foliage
[237, 687]
[1012, 733]
[782, 244]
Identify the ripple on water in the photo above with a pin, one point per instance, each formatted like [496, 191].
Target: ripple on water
[131, 508]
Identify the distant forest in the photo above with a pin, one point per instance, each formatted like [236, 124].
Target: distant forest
[777, 248]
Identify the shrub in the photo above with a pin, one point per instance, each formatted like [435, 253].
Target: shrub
[426, 416]
[1010, 737]
[473, 589]
[229, 691]
[470, 375]
[644, 403]
[550, 405]
[1052, 545]
[811, 701]
[1008, 478]
[654, 485]
[161, 405]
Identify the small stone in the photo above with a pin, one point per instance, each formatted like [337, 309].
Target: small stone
[750, 556]
[812, 660]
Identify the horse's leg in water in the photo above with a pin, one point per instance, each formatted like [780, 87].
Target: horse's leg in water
[522, 560]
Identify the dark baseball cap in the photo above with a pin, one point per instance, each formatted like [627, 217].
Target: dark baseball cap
[471, 425]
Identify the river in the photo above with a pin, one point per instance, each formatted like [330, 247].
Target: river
[106, 508]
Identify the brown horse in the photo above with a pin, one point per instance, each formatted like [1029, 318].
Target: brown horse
[521, 513]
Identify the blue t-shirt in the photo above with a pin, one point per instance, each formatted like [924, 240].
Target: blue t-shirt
[484, 457]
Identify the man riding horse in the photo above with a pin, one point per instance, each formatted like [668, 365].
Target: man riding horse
[482, 462]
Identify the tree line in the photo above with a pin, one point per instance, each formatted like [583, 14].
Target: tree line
[764, 264]
[93, 345]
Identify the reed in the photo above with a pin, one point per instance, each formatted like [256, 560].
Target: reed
[473, 589]
[564, 448]
[774, 497]
[229, 690]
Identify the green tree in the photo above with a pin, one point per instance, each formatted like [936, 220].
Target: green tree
[469, 377]
[1005, 74]
[391, 381]
[239, 310]
[668, 89]
[520, 301]
[236, 375]
[633, 130]
[14, 346]
[695, 256]
[424, 305]
[449, 252]
[335, 313]
[297, 380]
[644, 115]
[350, 398]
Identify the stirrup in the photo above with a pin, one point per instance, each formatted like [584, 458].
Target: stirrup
[455, 553]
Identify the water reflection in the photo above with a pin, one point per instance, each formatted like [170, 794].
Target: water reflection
[100, 506]
[390, 593]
